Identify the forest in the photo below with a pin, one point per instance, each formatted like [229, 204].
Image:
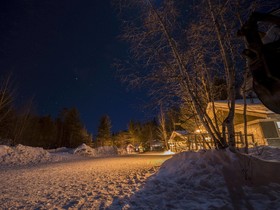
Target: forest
[67, 129]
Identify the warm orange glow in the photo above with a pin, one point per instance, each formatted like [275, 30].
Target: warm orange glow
[198, 131]
[168, 152]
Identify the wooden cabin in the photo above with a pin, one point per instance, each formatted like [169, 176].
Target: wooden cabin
[263, 125]
[181, 140]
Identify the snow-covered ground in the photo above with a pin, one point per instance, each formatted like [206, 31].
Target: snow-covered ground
[213, 180]
[84, 179]
[71, 179]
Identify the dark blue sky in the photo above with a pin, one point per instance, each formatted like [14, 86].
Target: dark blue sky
[61, 52]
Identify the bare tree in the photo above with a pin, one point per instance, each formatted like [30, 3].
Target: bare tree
[6, 97]
[6, 109]
[181, 49]
[162, 128]
[21, 122]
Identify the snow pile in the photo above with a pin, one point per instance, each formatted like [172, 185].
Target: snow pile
[4, 150]
[22, 155]
[60, 150]
[107, 151]
[211, 180]
[266, 152]
[122, 151]
[85, 150]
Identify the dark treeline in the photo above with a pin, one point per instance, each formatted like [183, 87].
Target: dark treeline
[24, 127]
[139, 134]
[66, 130]
[144, 135]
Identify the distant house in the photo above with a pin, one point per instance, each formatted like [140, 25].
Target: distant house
[178, 141]
[263, 125]
[181, 140]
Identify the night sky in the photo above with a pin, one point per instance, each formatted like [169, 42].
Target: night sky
[61, 53]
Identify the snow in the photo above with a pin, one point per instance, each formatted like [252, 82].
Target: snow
[212, 180]
[87, 178]
[21, 155]
[107, 151]
[85, 150]
[92, 183]
[266, 153]
[25, 155]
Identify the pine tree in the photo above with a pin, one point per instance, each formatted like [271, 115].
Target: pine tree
[71, 132]
[134, 131]
[104, 137]
[121, 139]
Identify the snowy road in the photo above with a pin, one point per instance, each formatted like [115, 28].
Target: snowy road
[79, 184]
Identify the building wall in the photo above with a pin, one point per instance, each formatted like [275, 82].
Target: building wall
[255, 129]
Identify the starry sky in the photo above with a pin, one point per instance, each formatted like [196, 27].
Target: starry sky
[61, 53]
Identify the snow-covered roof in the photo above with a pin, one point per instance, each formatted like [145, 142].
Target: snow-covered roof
[254, 107]
[180, 133]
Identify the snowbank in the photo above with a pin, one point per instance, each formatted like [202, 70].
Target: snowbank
[60, 150]
[122, 151]
[22, 155]
[5, 150]
[266, 152]
[85, 150]
[211, 180]
[107, 151]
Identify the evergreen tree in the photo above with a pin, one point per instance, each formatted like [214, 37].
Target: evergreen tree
[121, 139]
[104, 137]
[39, 132]
[71, 132]
[142, 134]
[134, 132]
